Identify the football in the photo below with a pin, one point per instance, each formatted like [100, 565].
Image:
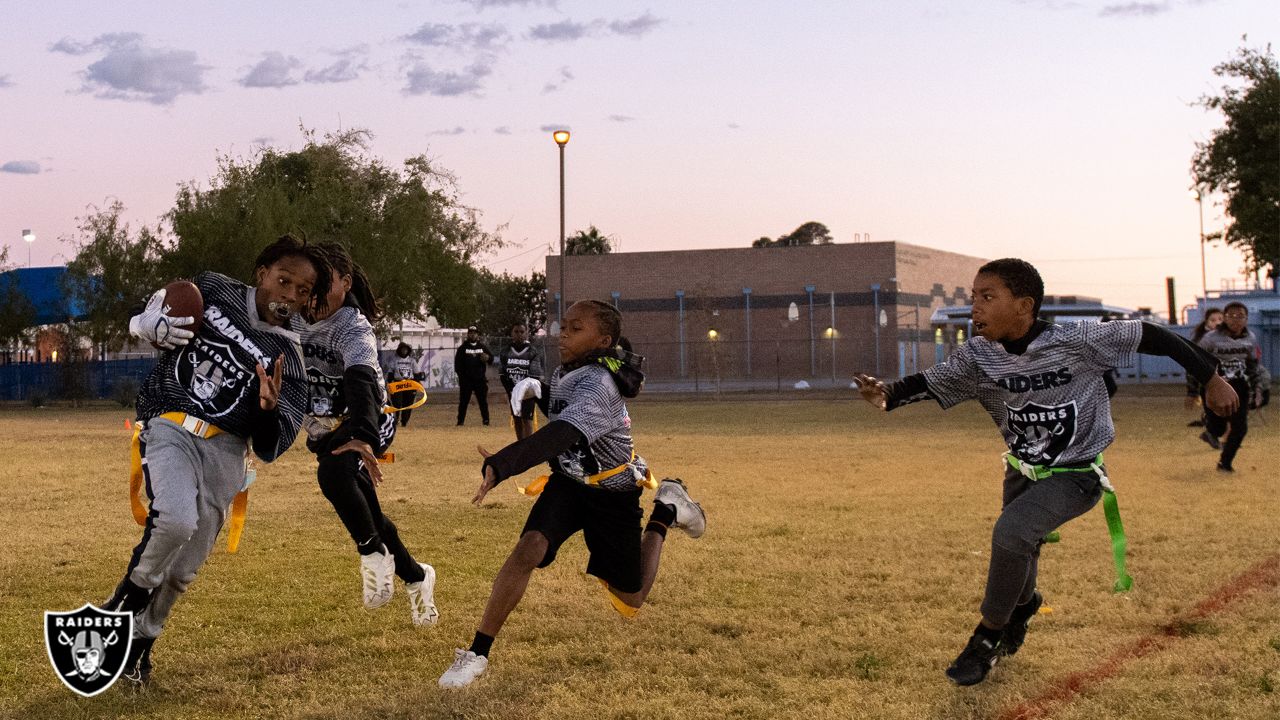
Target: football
[183, 299]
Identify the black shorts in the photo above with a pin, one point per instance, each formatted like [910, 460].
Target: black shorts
[609, 521]
[527, 407]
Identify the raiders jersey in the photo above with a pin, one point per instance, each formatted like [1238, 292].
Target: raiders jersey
[1237, 357]
[1050, 402]
[213, 377]
[342, 340]
[518, 364]
[588, 399]
[402, 368]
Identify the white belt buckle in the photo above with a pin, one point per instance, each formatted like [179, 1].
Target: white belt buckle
[195, 425]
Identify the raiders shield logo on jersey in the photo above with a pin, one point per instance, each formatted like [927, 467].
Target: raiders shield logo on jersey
[1042, 433]
[212, 376]
[88, 646]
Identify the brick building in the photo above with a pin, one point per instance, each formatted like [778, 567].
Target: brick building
[728, 314]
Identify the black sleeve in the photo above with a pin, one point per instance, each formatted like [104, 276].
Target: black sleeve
[912, 388]
[544, 402]
[266, 433]
[364, 412]
[556, 437]
[1198, 362]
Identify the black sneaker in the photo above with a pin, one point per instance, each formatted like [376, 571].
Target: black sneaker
[1016, 631]
[1225, 467]
[1213, 441]
[975, 661]
[1196, 423]
[137, 667]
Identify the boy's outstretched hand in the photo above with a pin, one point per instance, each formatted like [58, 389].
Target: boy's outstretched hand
[489, 480]
[1220, 397]
[872, 390]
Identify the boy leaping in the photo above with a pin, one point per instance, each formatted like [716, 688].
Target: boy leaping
[1043, 386]
[594, 483]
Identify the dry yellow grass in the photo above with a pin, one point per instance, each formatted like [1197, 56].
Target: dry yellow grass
[841, 572]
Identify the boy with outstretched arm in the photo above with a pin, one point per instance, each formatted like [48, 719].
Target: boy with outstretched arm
[595, 483]
[1043, 385]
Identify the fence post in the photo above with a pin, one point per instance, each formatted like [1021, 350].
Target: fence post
[777, 363]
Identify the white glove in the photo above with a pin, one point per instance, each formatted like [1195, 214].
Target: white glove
[154, 326]
[523, 390]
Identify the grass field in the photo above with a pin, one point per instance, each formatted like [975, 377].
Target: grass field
[841, 572]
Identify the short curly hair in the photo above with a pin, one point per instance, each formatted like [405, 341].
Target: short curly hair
[1020, 276]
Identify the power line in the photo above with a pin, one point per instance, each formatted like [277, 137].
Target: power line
[491, 263]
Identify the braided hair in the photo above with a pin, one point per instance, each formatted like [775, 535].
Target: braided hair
[290, 246]
[361, 290]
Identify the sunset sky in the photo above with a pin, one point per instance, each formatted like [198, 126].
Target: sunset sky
[1053, 130]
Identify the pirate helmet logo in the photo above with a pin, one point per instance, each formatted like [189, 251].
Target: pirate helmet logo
[88, 646]
[213, 376]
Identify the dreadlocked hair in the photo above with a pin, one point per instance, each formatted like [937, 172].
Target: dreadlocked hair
[289, 246]
[608, 319]
[340, 258]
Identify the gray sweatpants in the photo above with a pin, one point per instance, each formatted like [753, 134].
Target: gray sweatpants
[1031, 511]
[191, 482]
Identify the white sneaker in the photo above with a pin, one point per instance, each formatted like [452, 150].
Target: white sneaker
[689, 515]
[378, 570]
[466, 667]
[422, 598]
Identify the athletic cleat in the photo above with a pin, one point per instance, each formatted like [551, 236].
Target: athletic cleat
[466, 667]
[378, 570]
[689, 515]
[1224, 467]
[975, 661]
[137, 667]
[1211, 440]
[1016, 631]
[422, 598]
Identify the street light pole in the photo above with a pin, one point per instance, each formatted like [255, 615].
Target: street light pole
[30, 237]
[562, 138]
[875, 301]
[1204, 286]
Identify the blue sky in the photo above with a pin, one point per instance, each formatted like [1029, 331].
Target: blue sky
[1052, 130]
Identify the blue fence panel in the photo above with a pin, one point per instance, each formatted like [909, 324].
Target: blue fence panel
[99, 380]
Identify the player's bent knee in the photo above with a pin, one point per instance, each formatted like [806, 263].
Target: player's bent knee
[530, 549]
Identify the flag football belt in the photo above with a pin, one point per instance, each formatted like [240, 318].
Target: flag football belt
[400, 386]
[204, 430]
[648, 483]
[1110, 507]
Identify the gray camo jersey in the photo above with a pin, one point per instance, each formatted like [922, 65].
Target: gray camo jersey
[344, 339]
[588, 399]
[1237, 357]
[214, 376]
[1050, 402]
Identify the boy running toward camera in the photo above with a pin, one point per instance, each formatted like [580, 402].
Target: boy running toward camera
[1043, 385]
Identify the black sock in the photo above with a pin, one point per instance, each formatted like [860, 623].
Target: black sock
[481, 644]
[664, 513]
[992, 634]
[371, 546]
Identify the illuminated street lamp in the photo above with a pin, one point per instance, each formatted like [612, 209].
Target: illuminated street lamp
[562, 138]
[30, 237]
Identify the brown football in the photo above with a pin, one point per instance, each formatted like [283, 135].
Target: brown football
[183, 299]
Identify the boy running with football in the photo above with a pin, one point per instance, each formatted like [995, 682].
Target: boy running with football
[235, 386]
[1043, 386]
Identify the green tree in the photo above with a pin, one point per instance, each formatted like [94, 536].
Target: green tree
[1242, 159]
[112, 274]
[588, 242]
[810, 233]
[504, 300]
[16, 311]
[405, 226]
